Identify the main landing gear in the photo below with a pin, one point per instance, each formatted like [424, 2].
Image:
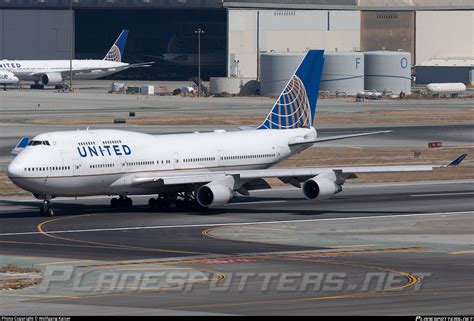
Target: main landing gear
[47, 208]
[121, 202]
[175, 201]
[37, 85]
[164, 202]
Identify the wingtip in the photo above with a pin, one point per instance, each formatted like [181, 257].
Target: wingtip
[458, 160]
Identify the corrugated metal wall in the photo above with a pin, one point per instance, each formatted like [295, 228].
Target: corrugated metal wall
[251, 31]
[35, 34]
[388, 30]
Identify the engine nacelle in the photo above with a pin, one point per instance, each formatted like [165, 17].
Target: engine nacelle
[214, 194]
[51, 79]
[321, 187]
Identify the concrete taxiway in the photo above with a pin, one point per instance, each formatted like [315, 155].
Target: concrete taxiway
[403, 248]
[421, 235]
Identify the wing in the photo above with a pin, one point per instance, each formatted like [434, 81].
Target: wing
[294, 176]
[66, 73]
[114, 69]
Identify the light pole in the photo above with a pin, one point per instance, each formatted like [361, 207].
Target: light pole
[70, 44]
[199, 31]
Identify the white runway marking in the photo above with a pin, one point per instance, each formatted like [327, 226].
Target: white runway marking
[156, 227]
[442, 194]
[258, 202]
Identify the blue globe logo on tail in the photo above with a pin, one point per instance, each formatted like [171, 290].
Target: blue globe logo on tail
[296, 105]
[115, 52]
[291, 110]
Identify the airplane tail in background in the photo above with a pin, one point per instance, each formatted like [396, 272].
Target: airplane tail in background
[296, 105]
[20, 146]
[116, 51]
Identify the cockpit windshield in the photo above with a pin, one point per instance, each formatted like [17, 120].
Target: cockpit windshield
[38, 142]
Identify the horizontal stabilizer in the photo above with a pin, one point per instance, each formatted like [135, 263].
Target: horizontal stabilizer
[247, 127]
[141, 64]
[331, 138]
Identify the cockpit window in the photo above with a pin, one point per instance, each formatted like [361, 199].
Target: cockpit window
[38, 142]
[34, 143]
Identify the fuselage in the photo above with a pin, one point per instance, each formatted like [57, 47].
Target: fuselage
[104, 162]
[29, 70]
[8, 78]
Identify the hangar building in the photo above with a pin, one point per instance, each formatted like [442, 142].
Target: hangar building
[236, 32]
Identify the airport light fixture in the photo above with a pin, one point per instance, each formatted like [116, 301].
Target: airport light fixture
[70, 44]
[199, 31]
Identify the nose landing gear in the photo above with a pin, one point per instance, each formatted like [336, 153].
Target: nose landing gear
[46, 210]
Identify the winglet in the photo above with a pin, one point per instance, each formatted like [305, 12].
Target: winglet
[20, 146]
[457, 161]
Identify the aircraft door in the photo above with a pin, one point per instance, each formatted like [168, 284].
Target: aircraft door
[175, 160]
[220, 158]
[76, 167]
[121, 164]
[280, 152]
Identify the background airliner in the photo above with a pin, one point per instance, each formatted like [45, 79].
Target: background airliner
[182, 52]
[189, 170]
[53, 72]
[7, 79]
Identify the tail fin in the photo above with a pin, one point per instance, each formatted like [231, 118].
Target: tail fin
[457, 161]
[116, 51]
[296, 105]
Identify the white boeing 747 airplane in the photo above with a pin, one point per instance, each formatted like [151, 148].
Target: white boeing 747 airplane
[54, 72]
[190, 170]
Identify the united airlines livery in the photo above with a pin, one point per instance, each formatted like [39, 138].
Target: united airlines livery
[8, 78]
[192, 171]
[54, 72]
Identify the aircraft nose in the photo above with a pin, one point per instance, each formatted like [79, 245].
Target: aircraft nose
[14, 170]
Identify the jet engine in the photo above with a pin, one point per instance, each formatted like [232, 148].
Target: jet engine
[216, 193]
[51, 79]
[322, 187]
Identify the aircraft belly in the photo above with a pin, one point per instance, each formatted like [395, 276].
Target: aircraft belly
[69, 186]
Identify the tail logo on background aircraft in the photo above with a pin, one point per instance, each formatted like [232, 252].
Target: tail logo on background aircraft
[291, 110]
[114, 54]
